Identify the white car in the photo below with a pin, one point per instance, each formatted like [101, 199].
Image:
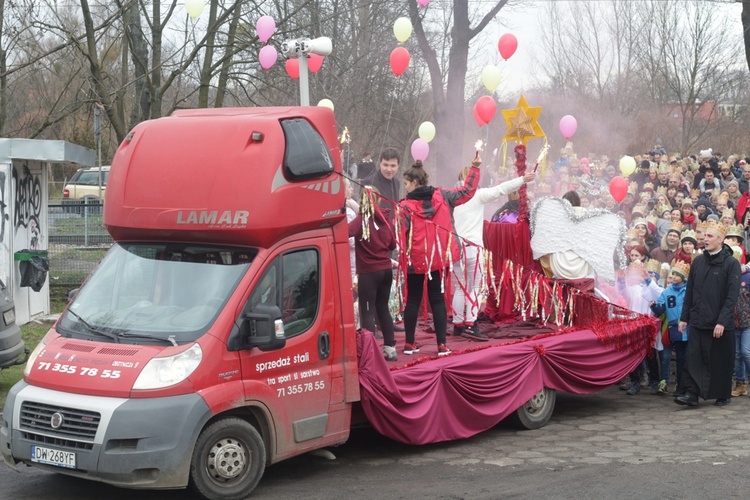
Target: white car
[84, 188]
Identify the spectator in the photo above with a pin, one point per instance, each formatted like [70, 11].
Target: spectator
[710, 297]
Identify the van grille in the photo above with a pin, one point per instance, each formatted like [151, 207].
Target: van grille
[76, 424]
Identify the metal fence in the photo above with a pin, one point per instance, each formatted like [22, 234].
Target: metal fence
[77, 241]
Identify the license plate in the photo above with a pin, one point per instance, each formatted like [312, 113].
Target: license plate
[57, 458]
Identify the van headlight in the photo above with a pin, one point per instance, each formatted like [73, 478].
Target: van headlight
[164, 372]
[32, 357]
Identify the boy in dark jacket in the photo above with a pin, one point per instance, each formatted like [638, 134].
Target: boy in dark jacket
[670, 302]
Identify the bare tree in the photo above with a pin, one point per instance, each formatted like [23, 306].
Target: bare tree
[746, 29]
[696, 59]
[643, 69]
[448, 78]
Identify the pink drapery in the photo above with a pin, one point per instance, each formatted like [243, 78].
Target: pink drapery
[461, 395]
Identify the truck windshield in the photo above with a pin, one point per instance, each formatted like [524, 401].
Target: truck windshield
[155, 293]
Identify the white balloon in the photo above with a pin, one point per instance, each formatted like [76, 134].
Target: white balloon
[194, 7]
[326, 103]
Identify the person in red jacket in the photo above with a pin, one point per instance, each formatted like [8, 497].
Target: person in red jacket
[373, 242]
[430, 245]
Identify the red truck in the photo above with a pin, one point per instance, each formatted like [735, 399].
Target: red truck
[217, 335]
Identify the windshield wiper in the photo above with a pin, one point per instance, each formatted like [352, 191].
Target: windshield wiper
[138, 336]
[103, 333]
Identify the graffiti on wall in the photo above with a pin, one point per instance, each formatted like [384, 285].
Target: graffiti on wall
[4, 216]
[28, 203]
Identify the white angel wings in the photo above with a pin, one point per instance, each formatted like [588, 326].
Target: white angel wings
[595, 235]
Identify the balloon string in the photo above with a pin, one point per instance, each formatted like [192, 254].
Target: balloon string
[390, 113]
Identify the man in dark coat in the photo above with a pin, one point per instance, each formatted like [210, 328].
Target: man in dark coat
[385, 178]
[710, 297]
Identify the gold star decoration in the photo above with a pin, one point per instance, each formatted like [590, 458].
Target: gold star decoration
[522, 122]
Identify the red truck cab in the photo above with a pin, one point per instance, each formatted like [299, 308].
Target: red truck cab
[167, 368]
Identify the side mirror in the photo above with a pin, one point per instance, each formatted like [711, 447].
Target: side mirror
[72, 294]
[263, 328]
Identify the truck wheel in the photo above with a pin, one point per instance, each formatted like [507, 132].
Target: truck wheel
[536, 411]
[228, 460]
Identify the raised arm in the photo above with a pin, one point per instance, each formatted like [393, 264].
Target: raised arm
[460, 195]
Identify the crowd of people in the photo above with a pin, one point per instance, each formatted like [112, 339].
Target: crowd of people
[687, 220]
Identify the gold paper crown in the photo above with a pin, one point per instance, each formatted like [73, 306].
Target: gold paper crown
[639, 209]
[681, 268]
[676, 226]
[688, 234]
[716, 228]
[664, 169]
[653, 219]
[653, 266]
[736, 230]
[664, 208]
[543, 188]
[648, 187]
[661, 190]
[701, 226]
[723, 196]
[638, 221]
[695, 192]
[633, 188]
[728, 212]
[632, 234]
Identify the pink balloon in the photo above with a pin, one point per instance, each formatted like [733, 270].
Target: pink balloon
[507, 45]
[422, 3]
[568, 126]
[486, 108]
[420, 149]
[314, 62]
[292, 68]
[478, 118]
[400, 58]
[265, 27]
[268, 56]
[618, 188]
[584, 160]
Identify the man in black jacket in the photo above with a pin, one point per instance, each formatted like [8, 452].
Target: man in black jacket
[385, 178]
[710, 297]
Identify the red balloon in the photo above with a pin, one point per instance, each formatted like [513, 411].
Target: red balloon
[292, 68]
[618, 188]
[314, 62]
[507, 45]
[478, 118]
[486, 108]
[400, 58]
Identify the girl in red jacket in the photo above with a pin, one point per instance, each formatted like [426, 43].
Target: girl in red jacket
[430, 245]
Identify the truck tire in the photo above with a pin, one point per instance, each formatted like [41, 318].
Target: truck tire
[536, 411]
[228, 460]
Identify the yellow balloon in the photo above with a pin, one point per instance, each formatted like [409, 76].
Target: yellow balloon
[194, 7]
[491, 77]
[427, 131]
[402, 29]
[627, 165]
[326, 103]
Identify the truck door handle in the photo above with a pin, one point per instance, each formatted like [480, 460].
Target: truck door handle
[324, 345]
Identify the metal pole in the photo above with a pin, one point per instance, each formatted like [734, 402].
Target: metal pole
[304, 87]
[98, 135]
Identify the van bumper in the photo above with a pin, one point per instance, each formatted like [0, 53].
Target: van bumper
[137, 443]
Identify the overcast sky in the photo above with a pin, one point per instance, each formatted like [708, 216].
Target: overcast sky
[525, 22]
